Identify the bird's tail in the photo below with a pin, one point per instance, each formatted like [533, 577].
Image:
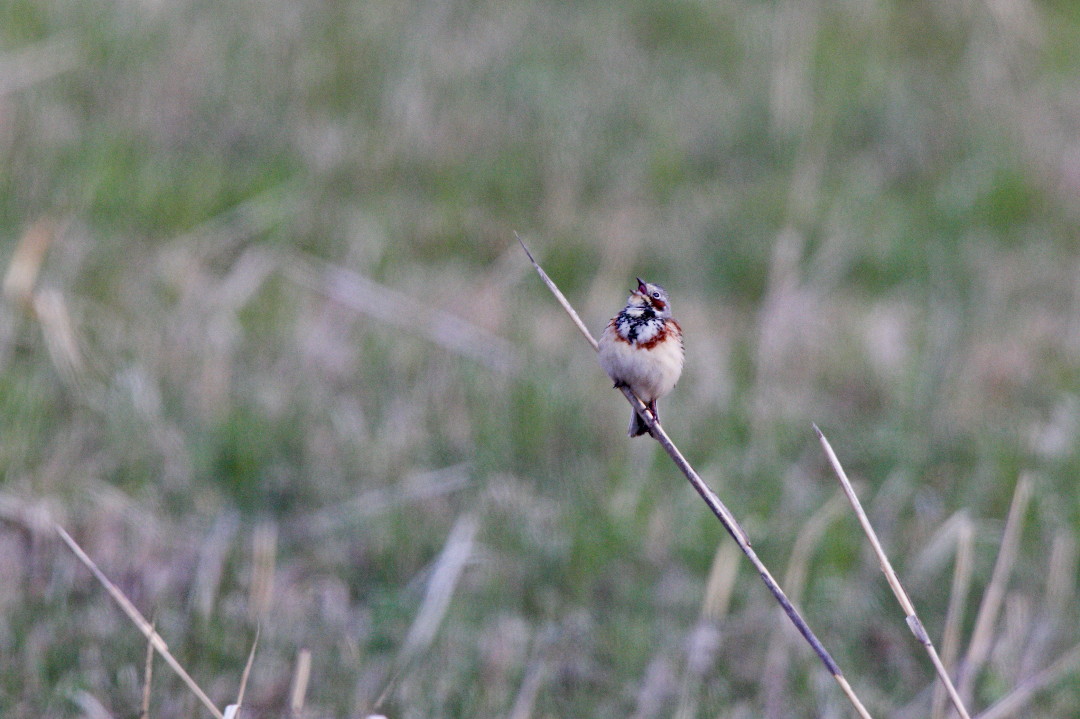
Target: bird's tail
[637, 424]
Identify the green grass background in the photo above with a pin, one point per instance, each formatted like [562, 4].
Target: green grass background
[269, 214]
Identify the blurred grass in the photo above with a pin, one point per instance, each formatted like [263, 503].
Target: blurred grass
[866, 217]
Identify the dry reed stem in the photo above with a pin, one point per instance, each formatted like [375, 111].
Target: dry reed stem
[445, 329]
[982, 634]
[417, 486]
[777, 656]
[263, 564]
[148, 673]
[456, 553]
[247, 669]
[911, 617]
[232, 711]
[441, 587]
[727, 519]
[721, 582]
[954, 613]
[705, 638]
[806, 542]
[560, 297]
[58, 329]
[210, 568]
[1060, 579]
[301, 676]
[139, 621]
[1011, 704]
[26, 261]
[525, 701]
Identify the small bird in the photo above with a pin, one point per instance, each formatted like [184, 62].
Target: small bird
[642, 348]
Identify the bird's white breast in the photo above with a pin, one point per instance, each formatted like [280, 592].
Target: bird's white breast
[651, 373]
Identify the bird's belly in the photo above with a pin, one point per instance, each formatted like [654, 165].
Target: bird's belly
[650, 373]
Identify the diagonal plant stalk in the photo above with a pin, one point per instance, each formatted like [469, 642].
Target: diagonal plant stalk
[981, 636]
[713, 501]
[139, 620]
[913, 621]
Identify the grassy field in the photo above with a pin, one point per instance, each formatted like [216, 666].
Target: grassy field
[270, 352]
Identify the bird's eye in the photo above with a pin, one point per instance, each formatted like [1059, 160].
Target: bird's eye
[656, 295]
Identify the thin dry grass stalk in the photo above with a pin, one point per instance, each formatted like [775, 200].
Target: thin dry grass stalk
[263, 563]
[989, 608]
[26, 261]
[525, 701]
[139, 621]
[705, 639]
[233, 709]
[244, 677]
[727, 519]
[1057, 599]
[913, 621]
[721, 583]
[58, 329]
[148, 673]
[455, 555]
[777, 656]
[1012, 703]
[301, 676]
[954, 614]
[444, 329]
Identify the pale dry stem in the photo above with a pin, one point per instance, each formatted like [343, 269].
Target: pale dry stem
[148, 673]
[442, 328]
[954, 613]
[727, 519]
[139, 620]
[982, 634]
[777, 656]
[247, 670]
[913, 621]
[301, 676]
[448, 568]
[1011, 704]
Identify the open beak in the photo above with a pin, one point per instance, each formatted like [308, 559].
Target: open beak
[641, 286]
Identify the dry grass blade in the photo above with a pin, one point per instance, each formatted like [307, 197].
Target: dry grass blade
[533, 679]
[148, 673]
[954, 614]
[444, 578]
[415, 487]
[727, 519]
[982, 634]
[263, 563]
[247, 669]
[444, 329]
[560, 296]
[301, 675]
[705, 639]
[440, 590]
[1014, 701]
[777, 656]
[721, 583]
[58, 329]
[913, 621]
[139, 620]
[26, 261]
[1058, 597]
[806, 542]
